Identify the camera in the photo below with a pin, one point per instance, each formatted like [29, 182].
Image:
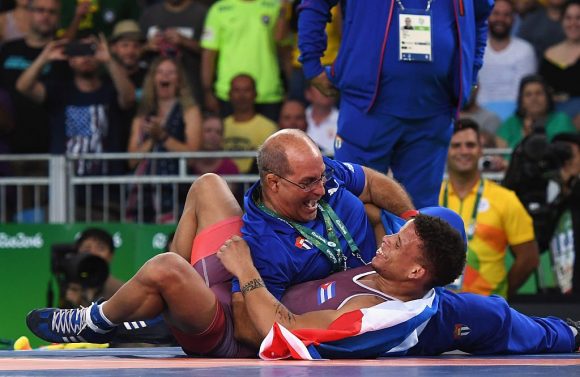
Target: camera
[485, 163]
[78, 48]
[68, 266]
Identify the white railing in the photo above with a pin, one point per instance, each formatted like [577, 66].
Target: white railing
[61, 196]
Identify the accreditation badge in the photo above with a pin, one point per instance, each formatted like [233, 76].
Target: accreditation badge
[415, 36]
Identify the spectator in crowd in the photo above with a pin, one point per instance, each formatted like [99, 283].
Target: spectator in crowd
[213, 141]
[564, 204]
[6, 125]
[245, 129]
[542, 27]
[126, 44]
[15, 23]
[494, 218]
[292, 67]
[82, 109]
[397, 105]
[30, 132]
[169, 120]
[488, 120]
[292, 115]
[98, 242]
[174, 28]
[523, 8]
[560, 66]
[82, 17]
[322, 118]
[16, 56]
[245, 46]
[507, 60]
[535, 110]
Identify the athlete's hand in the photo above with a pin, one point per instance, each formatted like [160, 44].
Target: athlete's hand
[235, 256]
[324, 86]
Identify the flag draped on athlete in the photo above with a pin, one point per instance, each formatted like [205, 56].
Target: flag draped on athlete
[388, 329]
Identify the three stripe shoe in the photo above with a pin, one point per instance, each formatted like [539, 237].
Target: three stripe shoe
[67, 326]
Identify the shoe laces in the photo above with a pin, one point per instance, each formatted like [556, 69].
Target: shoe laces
[70, 321]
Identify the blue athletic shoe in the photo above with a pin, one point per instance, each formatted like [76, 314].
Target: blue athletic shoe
[67, 326]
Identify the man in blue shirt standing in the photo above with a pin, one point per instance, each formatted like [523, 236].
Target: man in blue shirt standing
[399, 87]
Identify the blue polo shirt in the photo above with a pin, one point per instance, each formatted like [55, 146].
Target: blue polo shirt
[284, 258]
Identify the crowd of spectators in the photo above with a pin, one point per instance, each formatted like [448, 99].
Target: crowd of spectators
[188, 75]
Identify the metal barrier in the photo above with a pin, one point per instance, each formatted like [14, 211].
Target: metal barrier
[53, 192]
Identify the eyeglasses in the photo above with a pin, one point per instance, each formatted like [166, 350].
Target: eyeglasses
[307, 187]
[52, 12]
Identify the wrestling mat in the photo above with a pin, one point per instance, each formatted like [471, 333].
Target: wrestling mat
[171, 362]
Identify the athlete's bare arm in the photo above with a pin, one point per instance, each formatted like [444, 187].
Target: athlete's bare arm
[263, 308]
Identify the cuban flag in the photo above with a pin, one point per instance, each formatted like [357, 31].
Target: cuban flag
[326, 292]
[388, 329]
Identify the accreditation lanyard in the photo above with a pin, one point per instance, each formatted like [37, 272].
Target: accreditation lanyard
[400, 4]
[415, 34]
[471, 227]
[331, 247]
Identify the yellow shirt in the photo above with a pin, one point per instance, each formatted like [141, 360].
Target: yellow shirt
[246, 136]
[501, 220]
[333, 34]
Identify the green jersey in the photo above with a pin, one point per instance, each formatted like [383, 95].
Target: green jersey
[242, 32]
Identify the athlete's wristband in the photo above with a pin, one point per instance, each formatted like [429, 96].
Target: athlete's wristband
[409, 214]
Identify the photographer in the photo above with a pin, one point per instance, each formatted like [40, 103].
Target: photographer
[96, 242]
[83, 108]
[545, 176]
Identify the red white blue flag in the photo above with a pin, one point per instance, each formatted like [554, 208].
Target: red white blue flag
[388, 329]
[326, 291]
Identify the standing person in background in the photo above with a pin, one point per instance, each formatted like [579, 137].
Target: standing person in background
[238, 37]
[322, 118]
[535, 110]
[400, 89]
[126, 44]
[507, 60]
[31, 131]
[293, 115]
[31, 118]
[168, 120]
[95, 16]
[174, 28]
[14, 24]
[297, 83]
[542, 26]
[560, 66]
[245, 129]
[212, 129]
[494, 218]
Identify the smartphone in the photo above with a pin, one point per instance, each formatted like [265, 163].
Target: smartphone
[77, 48]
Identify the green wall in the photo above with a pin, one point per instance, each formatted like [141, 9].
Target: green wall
[25, 264]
